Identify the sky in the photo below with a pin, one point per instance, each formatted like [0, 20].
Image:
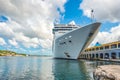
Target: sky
[26, 25]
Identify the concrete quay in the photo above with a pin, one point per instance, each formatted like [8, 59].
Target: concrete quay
[107, 72]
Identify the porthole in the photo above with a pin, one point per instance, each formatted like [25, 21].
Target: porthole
[70, 41]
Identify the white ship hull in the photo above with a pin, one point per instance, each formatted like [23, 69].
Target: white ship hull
[71, 44]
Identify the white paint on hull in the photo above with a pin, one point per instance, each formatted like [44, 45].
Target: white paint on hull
[71, 44]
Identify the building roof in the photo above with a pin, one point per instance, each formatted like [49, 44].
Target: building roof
[103, 45]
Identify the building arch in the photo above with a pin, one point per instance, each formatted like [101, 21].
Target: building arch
[101, 55]
[113, 55]
[106, 56]
[97, 56]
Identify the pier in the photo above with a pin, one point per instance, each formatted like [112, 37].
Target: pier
[109, 51]
[107, 72]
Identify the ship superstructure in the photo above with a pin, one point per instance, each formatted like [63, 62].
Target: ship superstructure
[60, 29]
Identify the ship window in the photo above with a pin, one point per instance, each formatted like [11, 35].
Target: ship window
[106, 47]
[70, 36]
[114, 46]
[70, 41]
[118, 45]
[65, 37]
[62, 43]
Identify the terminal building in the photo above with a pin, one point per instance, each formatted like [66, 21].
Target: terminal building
[103, 51]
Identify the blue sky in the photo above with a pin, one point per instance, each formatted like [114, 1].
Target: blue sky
[26, 26]
[73, 12]
[3, 19]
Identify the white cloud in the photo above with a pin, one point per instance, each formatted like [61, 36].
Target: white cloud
[13, 42]
[44, 43]
[110, 36]
[5, 30]
[30, 21]
[107, 10]
[2, 41]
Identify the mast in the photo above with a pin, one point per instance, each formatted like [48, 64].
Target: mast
[92, 15]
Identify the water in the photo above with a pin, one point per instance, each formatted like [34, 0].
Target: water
[46, 68]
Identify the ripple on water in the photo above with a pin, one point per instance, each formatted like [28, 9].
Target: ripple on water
[46, 68]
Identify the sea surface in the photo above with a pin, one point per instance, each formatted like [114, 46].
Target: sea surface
[47, 68]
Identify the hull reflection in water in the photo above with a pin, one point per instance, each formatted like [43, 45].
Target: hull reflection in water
[71, 70]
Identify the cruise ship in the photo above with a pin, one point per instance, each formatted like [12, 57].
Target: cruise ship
[70, 40]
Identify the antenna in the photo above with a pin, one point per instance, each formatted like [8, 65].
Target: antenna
[92, 15]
